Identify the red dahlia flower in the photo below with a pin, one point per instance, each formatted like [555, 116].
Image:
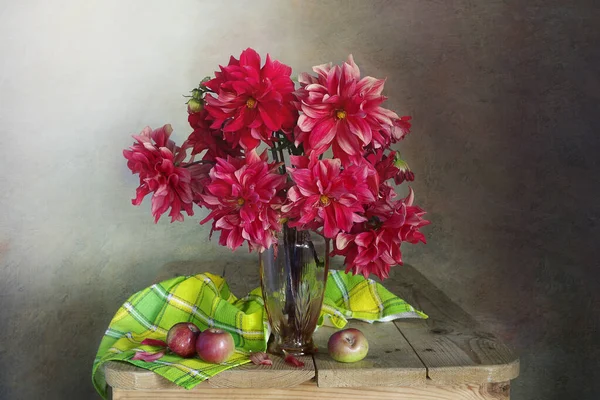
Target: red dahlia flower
[200, 178]
[155, 158]
[205, 138]
[324, 195]
[243, 196]
[401, 128]
[384, 164]
[251, 102]
[342, 110]
[390, 166]
[374, 246]
[413, 221]
[392, 134]
[404, 172]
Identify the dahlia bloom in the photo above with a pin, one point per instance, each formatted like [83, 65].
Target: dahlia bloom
[244, 199]
[374, 246]
[404, 172]
[392, 133]
[251, 102]
[205, 138]
[401, 128]
[413, 221]
[390, 166]
[155, 158]
[200, 177]
[342, 110]
[325, 195]
[383, 164]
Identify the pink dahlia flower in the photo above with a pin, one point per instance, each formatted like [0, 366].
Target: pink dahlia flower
[200, 175]
[384, 164]
[374, 246]
[390, 166]
[325, 195]
[205, 138]
[404, 172]
[413, 221]
[392, 133]
[401, 128]
[244, 199]
[342, 110]
[156, 158]
[251, 102]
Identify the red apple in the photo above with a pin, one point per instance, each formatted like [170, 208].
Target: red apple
[181, 339]
[215, 345]
[348, 345]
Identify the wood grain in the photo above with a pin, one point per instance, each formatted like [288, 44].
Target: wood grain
[453, 347]
[390, 362]
[279, 375]
[121, 375]
[310, 391]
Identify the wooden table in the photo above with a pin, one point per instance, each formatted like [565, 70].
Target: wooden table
[445, 357]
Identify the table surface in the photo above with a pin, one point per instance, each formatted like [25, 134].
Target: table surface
[449, 348]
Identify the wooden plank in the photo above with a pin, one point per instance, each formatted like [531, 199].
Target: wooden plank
[279, 375]
[390, 362]
[453, 347]
[310, 391]
[122, 375]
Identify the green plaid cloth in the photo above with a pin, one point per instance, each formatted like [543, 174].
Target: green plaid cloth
[205, 300]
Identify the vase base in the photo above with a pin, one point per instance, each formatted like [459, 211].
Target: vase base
[306, 350]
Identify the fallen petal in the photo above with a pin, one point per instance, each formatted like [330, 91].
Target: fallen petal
[154, 342]
[290, 359]
[261, 358]
[148, 357]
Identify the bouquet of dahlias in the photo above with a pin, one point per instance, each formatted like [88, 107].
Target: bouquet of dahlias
[256, 158]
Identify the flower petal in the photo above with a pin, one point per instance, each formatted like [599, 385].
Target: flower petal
[260, 358]
[148, 357]
[290, 359]
[154, 342]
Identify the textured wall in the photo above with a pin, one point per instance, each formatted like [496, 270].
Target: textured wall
[504, 96]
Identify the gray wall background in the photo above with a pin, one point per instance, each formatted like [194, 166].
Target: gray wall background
[505, 100]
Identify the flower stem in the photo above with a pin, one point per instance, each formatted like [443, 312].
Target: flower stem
[274, 154]
[283, 170]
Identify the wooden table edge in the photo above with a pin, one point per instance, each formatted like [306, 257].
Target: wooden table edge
[494, 373]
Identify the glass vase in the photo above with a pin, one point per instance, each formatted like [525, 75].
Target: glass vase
[293, 276]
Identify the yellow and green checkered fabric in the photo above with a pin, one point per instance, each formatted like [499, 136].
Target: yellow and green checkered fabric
[205, 300]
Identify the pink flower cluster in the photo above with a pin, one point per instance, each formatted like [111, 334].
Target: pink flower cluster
[155, 157]
[244, 199]
[374, 246]
[343, 111]
[327, 195]
[250, 102]
[347, 198]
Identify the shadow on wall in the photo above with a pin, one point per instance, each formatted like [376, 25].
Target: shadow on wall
[58, 361]
[505, 153]
[515, 220]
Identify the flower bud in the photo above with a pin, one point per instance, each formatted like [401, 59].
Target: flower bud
[404, 173]
[195, 106]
